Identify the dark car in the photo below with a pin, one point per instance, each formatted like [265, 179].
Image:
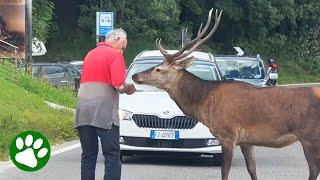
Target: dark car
[57, 74]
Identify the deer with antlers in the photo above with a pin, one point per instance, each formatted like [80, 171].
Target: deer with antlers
[238, 113]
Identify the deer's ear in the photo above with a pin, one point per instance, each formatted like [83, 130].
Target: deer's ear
[183, 63]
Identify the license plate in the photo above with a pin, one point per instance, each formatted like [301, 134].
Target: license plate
[155, 134]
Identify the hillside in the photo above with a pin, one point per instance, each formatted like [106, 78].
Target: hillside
[22, 110]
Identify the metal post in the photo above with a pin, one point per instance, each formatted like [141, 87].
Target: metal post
[182, 36]
[15, 68]
[28, 18]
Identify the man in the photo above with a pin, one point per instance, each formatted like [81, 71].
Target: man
[103, 76]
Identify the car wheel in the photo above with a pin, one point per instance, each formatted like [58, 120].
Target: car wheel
[217, 159]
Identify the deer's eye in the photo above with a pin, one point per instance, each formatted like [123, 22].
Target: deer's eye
[158, 70]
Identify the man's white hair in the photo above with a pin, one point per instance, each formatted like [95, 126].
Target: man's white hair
[116, 34]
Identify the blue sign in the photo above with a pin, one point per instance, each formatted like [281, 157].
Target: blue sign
[104, 23]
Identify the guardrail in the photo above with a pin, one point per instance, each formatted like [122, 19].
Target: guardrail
[8, 48]
[8, 63]
[301, 85]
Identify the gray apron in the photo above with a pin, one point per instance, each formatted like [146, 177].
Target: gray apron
[97, 105]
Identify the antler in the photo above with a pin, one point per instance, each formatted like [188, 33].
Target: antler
[195, 43]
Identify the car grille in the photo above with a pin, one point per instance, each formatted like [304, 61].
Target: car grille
[164, 143]
[152, 121]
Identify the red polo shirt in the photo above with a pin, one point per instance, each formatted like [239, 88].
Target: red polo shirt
[104, 64]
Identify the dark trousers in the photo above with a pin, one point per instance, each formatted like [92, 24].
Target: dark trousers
[110, 147]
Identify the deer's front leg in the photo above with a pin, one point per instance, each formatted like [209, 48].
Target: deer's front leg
[227, 150]
[248, 153]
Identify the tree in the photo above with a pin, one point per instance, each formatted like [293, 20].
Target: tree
[42, 19]
[149, 19]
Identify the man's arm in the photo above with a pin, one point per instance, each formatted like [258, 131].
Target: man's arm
[126, 88]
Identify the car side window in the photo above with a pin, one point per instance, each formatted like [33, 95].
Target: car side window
[53, 71]
[72, 72]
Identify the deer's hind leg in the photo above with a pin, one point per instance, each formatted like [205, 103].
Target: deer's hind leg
[227, 150]
[312, 153]
[248, 153]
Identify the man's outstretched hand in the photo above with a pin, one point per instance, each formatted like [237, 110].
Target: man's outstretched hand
[128, 89]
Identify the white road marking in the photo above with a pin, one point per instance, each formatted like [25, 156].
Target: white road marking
[65, 149]
[9, 164]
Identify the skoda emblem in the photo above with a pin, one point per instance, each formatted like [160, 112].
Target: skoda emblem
[166, 112]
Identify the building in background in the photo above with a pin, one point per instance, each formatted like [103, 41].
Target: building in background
[12, 29]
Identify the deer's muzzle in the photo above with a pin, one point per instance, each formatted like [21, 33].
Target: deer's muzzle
[136, 78]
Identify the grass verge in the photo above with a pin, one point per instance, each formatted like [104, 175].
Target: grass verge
[290, 73]
[62, 96]
[22, 108]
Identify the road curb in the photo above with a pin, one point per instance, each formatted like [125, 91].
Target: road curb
[58, 106]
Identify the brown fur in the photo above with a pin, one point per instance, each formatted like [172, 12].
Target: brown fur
[240, 114]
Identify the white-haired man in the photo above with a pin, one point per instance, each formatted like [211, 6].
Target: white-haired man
[103, 76]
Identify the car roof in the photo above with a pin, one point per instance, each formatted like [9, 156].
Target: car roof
[156, 54]
[76, 62]
[223, 57]
[158, 61]
[46, 64]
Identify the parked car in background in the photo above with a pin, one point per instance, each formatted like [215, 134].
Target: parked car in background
[77, 64]
[151, 122]
[243, 68]
[65, 74]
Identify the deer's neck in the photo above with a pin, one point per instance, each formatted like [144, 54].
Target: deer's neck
[189, 93]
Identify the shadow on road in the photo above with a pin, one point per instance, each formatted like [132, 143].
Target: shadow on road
[170, 161]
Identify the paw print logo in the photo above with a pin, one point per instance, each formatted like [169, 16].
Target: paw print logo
[30, 151]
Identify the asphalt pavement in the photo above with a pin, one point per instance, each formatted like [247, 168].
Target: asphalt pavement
[272, 164]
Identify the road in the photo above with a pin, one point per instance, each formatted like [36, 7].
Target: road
[272, 164]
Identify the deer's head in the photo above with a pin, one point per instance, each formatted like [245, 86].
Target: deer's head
[173, 65]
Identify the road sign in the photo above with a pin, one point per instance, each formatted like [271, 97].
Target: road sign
[105, 23]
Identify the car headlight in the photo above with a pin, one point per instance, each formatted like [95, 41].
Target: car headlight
[212, 142]
[124, 115]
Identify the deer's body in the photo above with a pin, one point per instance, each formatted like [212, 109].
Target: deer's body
[238, 113]
[272, 117]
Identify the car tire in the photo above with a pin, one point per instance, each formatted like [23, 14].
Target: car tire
[217, 159]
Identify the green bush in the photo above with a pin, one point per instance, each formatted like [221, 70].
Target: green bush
[294, 73]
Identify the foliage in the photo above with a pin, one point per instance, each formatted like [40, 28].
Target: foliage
[150, 19]
[286, 30]
[309, 36]
[42, 19]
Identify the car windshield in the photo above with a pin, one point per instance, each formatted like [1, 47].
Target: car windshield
[204, 71]
[240, 68]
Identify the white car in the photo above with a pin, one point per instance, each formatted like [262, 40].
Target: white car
[152, 123]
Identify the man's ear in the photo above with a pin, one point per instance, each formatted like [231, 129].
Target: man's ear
[183, 63]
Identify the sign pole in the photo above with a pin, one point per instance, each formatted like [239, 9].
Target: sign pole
[28, 17]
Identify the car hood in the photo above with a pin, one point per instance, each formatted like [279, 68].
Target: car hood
[157, 103]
